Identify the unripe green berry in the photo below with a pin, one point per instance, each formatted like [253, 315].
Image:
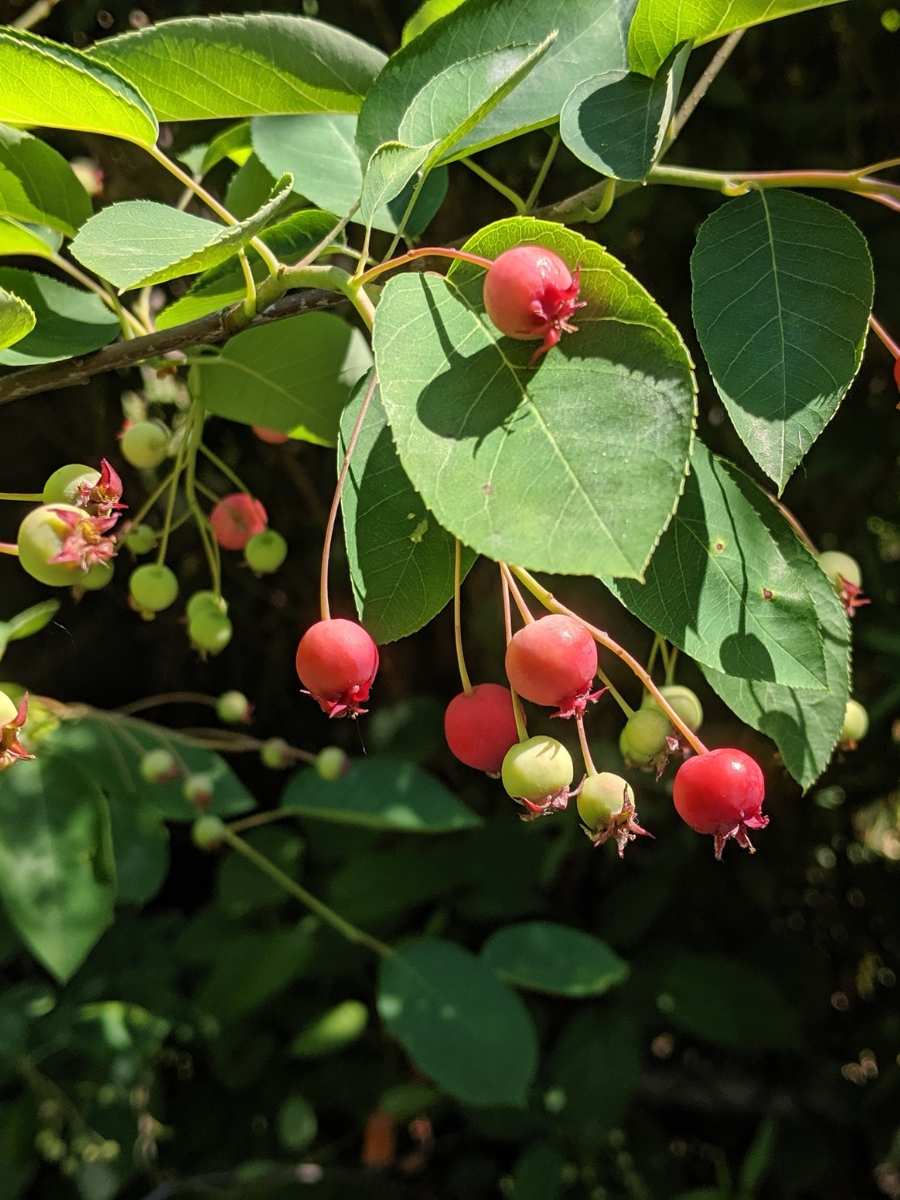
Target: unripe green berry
[210, 631]
[199, 789]
[536, 768]
[205, 601]
[332, 763]
[838, 566]
[233, 707]
[63, 485]
[145, 444]
[265, 552]
[208, 832]
[683, 701]
[94, 579]
[159, 766]
[8, 710]
[644, 737]
[276, 754]
[856, 725]
[41, 538]
[141, 539]
[601, 798]
[153, 587]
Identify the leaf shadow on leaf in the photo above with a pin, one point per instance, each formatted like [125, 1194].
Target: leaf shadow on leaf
[743, 651]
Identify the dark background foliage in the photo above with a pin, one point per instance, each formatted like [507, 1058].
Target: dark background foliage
[654, 1106]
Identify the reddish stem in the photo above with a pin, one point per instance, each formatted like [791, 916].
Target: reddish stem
[424, 252]
[324, 606]
[878, 328]
[524, 611]
[8, 548]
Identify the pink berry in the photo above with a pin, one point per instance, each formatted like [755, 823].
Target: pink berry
[337, 662]
[481, 727]
[530, 293]
[236, 519]
[553, 662]
[721, 792]
[272, 436]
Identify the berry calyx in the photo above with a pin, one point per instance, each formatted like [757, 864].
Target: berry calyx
[159, 766]
[606, 806]
[98, 492]
[644, 742]
[530, 293]
[60, 543]
[12, 719]
[272, 436]
[141, 539]
[234, 708]
[538, 773]
[210, 631]
[481, 727]
[65, 484]
[199, 789]
[845, 576]
[855, 726]
[145, 444]
[337, 662]
[152, 588]
[236, 519]
[208, 832]
[265, 552]
[721, 792]
[683, 701]
[553, 662]
[332, 763]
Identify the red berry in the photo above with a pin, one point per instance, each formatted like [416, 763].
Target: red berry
[553, 662]
[897, 371]
[337, 662]
[236, 519]
[530, 293]
[481, 727]
[721, 792]
[272, 436]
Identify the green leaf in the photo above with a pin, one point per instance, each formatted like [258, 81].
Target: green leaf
[381, 793]
[57, 875]
[596, 1065]
[572, 467]
[293, 375]
[237, 66]
[36, 240]
[139, 242]
[141, 847]
[426, 14]
[401, 560]
[590, 39]
[728, 1003]
[726, 583]
[460, 1024]
[252, 968]
[545, 957]
[539, 1173]
[68, 320]
[31, 620]
[783, 288]
[804, 725]
[233, 143]
[320, 152]
[55, 86]
[289, 240]
[390, 169]
[110, 750]
[16, 319]
[659, 25]
[617, 122]
[331, 1031]
[37, 185]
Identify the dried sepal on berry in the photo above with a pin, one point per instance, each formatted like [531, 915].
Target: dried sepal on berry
[606, 806]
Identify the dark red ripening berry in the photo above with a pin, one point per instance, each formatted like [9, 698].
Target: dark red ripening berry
[721, 792]
[481, 727]
[530, 293]
[337, 662]
[236, 519]
[553, 662]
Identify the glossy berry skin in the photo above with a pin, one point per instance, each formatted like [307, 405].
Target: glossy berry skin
[265, 552]
[337, 662]
[481, 727]
[145, 444]
[236, 519]
[538, 773]
[553, 662]
[153, 587]
[272, 436]
[721, 792]
[683, 701]
[65, 483]
[141, 539]
[529, 294]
